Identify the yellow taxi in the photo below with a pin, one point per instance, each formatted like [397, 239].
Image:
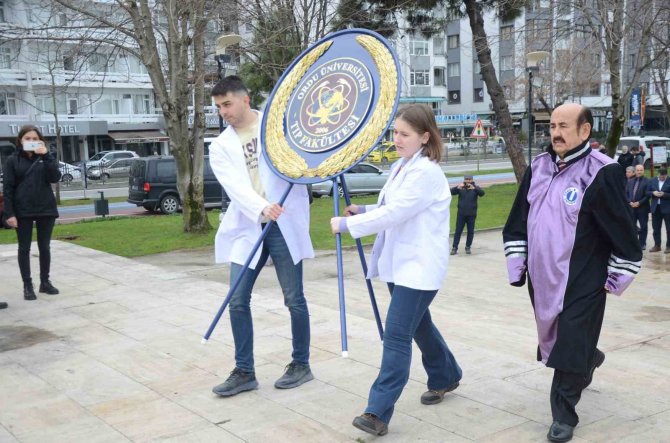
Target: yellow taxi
[384, 153]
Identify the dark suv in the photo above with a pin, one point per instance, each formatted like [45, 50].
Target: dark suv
[153, 184]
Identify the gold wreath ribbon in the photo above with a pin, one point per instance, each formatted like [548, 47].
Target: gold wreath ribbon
[286, 160]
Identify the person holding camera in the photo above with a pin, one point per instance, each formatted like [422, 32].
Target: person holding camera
[468, 193]
[29, 201]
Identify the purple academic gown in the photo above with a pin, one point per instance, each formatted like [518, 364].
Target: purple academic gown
[571, 233]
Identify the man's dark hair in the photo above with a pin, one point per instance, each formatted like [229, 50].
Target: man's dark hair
[232, 83]
[635, 148]
[663, 171]
[585, 116]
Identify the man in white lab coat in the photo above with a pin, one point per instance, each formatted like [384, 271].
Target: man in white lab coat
[236, 159]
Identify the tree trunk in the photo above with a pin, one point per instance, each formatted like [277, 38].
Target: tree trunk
[500, 107]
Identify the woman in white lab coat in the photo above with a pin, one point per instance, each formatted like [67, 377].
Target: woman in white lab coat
[410, 253]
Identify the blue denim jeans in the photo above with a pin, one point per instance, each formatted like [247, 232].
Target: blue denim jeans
[409, 317]
[290, 280]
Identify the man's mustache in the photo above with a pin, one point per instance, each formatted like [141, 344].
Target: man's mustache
[557, 140]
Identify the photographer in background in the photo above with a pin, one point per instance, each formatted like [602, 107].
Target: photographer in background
[29, 200]
[468, 193]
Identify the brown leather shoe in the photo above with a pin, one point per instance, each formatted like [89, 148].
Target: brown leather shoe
[434, 397]
[371, 424]
[655, 249]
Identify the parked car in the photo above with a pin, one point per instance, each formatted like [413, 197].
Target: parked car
[385, 153]
[115, 169]
[108, 157]
[659, 145]
[363, 178]
[152, 184]
[68, 173]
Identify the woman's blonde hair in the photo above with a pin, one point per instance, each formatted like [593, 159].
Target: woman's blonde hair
[422, 120]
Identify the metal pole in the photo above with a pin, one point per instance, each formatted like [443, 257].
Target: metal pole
[340, 273]
[530, 115]
[364, 265]
[237, 281]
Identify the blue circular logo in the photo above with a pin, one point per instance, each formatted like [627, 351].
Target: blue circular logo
[570, 196]
[329, 105]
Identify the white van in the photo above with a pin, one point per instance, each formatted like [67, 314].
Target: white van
[652, 146]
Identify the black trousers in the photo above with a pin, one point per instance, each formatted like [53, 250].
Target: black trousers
[566, 390]
[641, 216]
[461, 221]
[24, 232]
[657, 219]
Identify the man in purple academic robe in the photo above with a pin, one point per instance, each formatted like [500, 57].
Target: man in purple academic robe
[570, 234]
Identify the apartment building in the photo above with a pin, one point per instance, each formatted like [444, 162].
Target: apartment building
[101, 96]
[443, 70]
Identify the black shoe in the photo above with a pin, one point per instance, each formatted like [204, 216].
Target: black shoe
[371, 424]
[295, 375]
[48, 288]
[560, 432]
[434, 397]
[598, 359]
[29, 292]
[454, 251]
[3, 305]
[467, 250]
[238, 381]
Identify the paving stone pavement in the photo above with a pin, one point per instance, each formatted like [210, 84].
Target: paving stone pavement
[117, 356]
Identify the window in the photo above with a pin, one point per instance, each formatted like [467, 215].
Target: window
[506, 62]
[438, 77]
[476, 68]
[5, 58]
[633, 60]
[7, 103]
[98, 62]
[507, 32]
[2, 11]
[68, 63]
[593, 90]
[72, 104]
[478, 95]
[509, 92]
[418, 47]
[453, 41]
[438, 46]
[563, 8]
[454, 97]
[166, 169]
[62, 19]
[595, 60]
[453, 69]
[608, 88]
[419, 78]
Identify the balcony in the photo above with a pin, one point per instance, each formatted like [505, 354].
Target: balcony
[111, 119]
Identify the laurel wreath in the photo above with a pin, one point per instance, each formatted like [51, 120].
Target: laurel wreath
[287, 161]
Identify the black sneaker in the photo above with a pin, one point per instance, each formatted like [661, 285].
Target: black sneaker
[371, 424]
[598, 360]
[29, 292]
[48, 288]
[295, 375]
[467, 250]
[454, 251]
[3, 305]
[434, 397]
[238, 381]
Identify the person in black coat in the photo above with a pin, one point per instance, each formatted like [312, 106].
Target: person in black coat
[658, 190]
[626, 158]
[638, 199]
[468, 193]
[29, 200]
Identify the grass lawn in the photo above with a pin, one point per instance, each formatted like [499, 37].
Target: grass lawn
[480, 172]
[137, 236]
[89, 201]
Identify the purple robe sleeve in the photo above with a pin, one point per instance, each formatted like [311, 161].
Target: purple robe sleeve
[515, 234]
[612, 213]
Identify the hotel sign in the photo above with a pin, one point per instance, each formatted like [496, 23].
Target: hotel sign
[67, 128]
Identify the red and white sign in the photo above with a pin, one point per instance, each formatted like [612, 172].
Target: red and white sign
[478, 131]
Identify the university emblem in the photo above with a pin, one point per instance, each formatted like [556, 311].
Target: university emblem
[331, 106]
[570, 196]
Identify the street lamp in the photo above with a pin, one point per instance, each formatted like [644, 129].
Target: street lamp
[533, 60]
[222, 62]
[223, 59]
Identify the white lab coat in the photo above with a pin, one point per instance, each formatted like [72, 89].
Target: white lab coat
[412, 248]
[241, 225]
